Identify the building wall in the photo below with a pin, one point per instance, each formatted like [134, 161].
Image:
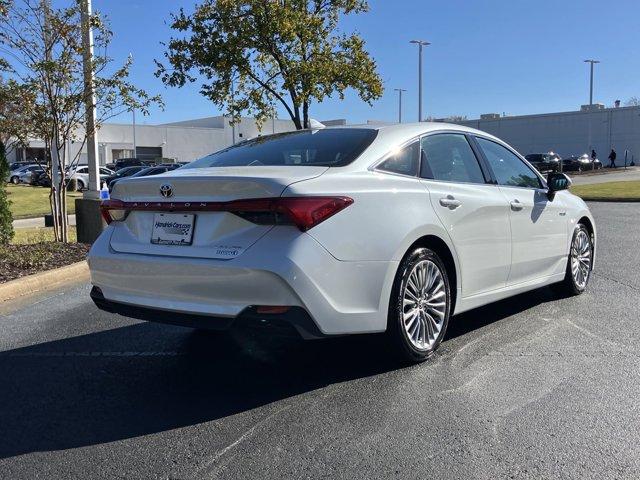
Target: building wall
[567, 133]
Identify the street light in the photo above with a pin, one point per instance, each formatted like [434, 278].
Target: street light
[399, 90]
[420, 43]
[591, 81]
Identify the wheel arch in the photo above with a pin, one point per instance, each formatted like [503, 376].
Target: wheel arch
[446, 254]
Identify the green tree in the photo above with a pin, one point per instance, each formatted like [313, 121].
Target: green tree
[44, 49]
[6, 219]
[255, 54]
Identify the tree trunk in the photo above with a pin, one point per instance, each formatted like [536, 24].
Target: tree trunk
[305, 114]
[296, 117]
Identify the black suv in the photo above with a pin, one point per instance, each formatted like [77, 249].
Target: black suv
[132, 162]
[544, 162]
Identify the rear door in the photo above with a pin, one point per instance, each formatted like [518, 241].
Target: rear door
[539, 225]
[471, 208]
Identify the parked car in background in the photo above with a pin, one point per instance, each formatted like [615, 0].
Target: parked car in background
[342, 231]
[27, 174]
[579, 163]
[81, 175]
[147, 172]
[123, 173]
[132, 162]
[16, 165]
[544, 162]
[14, 175]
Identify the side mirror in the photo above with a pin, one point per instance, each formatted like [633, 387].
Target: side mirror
[557, 182]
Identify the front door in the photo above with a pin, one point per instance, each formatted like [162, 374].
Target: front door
[473, 211]
[538, 225]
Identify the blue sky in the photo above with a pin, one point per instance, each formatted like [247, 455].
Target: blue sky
[512, 56]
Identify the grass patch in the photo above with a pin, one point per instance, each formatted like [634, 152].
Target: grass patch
[621, 191]
[29, 202]
[29, 236]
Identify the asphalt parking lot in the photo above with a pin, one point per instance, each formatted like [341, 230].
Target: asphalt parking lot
[531, 387]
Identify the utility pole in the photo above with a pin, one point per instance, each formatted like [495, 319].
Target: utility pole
[89, 101]
[399, 90]
[591, 80]
[420, 43]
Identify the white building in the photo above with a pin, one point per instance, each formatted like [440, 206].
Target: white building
[180, 141]
[569, 133]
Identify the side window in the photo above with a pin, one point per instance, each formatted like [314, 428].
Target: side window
[449, 157]
[405, 161]
[507, 167]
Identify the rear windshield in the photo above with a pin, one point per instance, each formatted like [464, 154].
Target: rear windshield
[325, 148]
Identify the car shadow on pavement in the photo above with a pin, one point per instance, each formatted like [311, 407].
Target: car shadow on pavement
[148, 378]
[480, 317]
[124, 383]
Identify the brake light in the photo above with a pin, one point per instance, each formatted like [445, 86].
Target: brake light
[113, 211]
[303, 212]
[307, 212]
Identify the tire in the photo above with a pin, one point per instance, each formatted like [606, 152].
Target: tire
[575, 283]
[414, 338]
[15, 180]
[79, 185]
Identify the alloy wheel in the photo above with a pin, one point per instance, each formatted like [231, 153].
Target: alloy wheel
[424, 302]
[581, 259]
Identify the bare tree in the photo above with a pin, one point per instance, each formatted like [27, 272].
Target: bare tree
[632, 102]
[43, 48]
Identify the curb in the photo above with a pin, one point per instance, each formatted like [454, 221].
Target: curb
[43, 281]
[611, 200]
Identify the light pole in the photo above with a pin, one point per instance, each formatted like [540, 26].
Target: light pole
[420, 43]
[399, 90]
[591, 62]
[135, 146]
[591, 80]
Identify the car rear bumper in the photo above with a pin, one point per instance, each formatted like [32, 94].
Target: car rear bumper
[295, 319]
[284, 268]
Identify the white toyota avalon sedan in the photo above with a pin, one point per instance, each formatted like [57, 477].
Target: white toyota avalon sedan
[342, 231]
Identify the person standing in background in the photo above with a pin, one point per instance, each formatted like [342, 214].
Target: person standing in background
[612, 159]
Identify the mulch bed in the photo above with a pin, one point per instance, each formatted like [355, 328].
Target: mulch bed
[20, 260]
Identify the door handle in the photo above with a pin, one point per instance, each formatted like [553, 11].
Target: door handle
[450, 202]
[516, 206]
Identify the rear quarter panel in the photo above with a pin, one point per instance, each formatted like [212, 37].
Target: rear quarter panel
[389, 213]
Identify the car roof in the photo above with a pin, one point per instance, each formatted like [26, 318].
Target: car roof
[394, 135]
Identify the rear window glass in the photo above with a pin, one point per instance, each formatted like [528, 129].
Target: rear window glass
[326, 148]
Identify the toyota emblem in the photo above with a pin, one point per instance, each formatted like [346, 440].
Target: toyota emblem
[166, 190]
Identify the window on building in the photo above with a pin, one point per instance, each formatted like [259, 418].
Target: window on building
[118, 153]
[148, 153]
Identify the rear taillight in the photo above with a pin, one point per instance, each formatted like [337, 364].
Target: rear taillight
[113, 211]
[303, 212]
[307, 212]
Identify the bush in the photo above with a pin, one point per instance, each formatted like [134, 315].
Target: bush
[6, 219]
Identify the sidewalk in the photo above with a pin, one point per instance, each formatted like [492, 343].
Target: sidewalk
[37, 222]
[606, 175]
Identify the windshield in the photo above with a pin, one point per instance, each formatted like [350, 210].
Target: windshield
[325, 148]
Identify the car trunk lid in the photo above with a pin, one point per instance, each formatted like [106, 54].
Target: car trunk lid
[215, 234]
